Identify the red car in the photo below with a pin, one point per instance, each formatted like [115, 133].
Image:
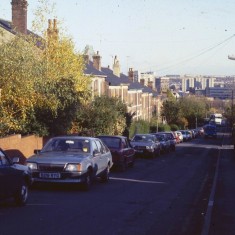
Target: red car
[123, 155]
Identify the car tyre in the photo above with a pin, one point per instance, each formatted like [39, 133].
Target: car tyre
[21, 196]
[132, 163]
[88, 181]
[105, 176]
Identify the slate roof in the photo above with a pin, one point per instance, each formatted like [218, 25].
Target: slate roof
[8, 26]
[89, 69]
[114, 80]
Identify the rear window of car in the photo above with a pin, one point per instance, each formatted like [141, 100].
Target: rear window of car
[111, 142]
[144, 138]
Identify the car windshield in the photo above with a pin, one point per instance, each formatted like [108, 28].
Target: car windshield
[143, 138]
[76, 145]
[160, 137]
[111, 142]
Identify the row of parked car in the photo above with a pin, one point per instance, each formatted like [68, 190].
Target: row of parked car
[80, 160]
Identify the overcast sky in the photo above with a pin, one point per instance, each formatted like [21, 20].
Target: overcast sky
[163, 36]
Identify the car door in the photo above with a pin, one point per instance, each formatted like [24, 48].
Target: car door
[126, 150]
[99, 159]
[9, 176]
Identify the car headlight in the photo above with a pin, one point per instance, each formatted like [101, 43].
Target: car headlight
[149, 147]
[73, 167]
[32, 165]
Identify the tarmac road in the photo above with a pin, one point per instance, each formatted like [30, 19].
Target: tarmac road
[167, 195]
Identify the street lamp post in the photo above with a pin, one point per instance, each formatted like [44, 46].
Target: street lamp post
[232, 57]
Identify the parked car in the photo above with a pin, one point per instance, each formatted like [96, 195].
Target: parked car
[177, 138]
[180, 136]
[146, 145]
[123, 154]
[71, 159]
[164, 141]
[171, 136]
[15, 179]
[186, 135]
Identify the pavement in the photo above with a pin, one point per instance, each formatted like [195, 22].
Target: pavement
[220, 216]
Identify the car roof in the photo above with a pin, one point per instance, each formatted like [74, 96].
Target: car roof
[73, 137]
[111, 136]
[144, 134]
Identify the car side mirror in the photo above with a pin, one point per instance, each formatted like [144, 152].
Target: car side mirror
[96, 153]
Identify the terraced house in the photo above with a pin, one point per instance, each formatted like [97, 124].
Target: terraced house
[141, 100]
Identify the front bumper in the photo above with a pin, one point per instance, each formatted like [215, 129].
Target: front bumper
[65, 177]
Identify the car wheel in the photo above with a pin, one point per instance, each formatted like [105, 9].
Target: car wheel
[88, 181]
[132, 163]
[105, 176]
[21, 196]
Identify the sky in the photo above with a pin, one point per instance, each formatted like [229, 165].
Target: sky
[162, 36]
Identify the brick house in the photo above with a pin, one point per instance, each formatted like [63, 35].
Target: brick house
[140, 99]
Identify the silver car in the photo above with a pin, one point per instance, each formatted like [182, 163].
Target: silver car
[146, 145]
[71, 159]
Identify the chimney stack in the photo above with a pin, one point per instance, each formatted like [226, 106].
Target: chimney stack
[52, 30]
[86, 58]
[116, 67]
[19, 16]
[131, 74]
[142, 81]
[97, 61]
[150, 84]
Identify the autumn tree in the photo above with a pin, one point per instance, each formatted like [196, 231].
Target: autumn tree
[193, 109]
[19, 70]
[42, 83]
[104, 115]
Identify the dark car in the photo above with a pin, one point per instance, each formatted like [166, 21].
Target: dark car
[123, 153]
[146, 145]
[171, 136]
[15, 179]
[71, 160]
[164, 142]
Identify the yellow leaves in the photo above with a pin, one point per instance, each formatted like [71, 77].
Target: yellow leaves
[42, 13]
[33, 79]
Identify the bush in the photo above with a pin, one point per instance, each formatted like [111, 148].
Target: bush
[164, 127]
[174, 127]
[139, 127]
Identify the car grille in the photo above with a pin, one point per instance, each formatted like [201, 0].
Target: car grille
[51, 167]
[140, 147]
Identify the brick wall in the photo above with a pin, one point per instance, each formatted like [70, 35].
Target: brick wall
[22, 147]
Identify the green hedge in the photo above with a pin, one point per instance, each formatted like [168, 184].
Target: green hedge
[139, 127]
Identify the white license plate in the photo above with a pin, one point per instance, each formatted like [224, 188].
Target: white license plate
[50, 175]
[139, 151]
